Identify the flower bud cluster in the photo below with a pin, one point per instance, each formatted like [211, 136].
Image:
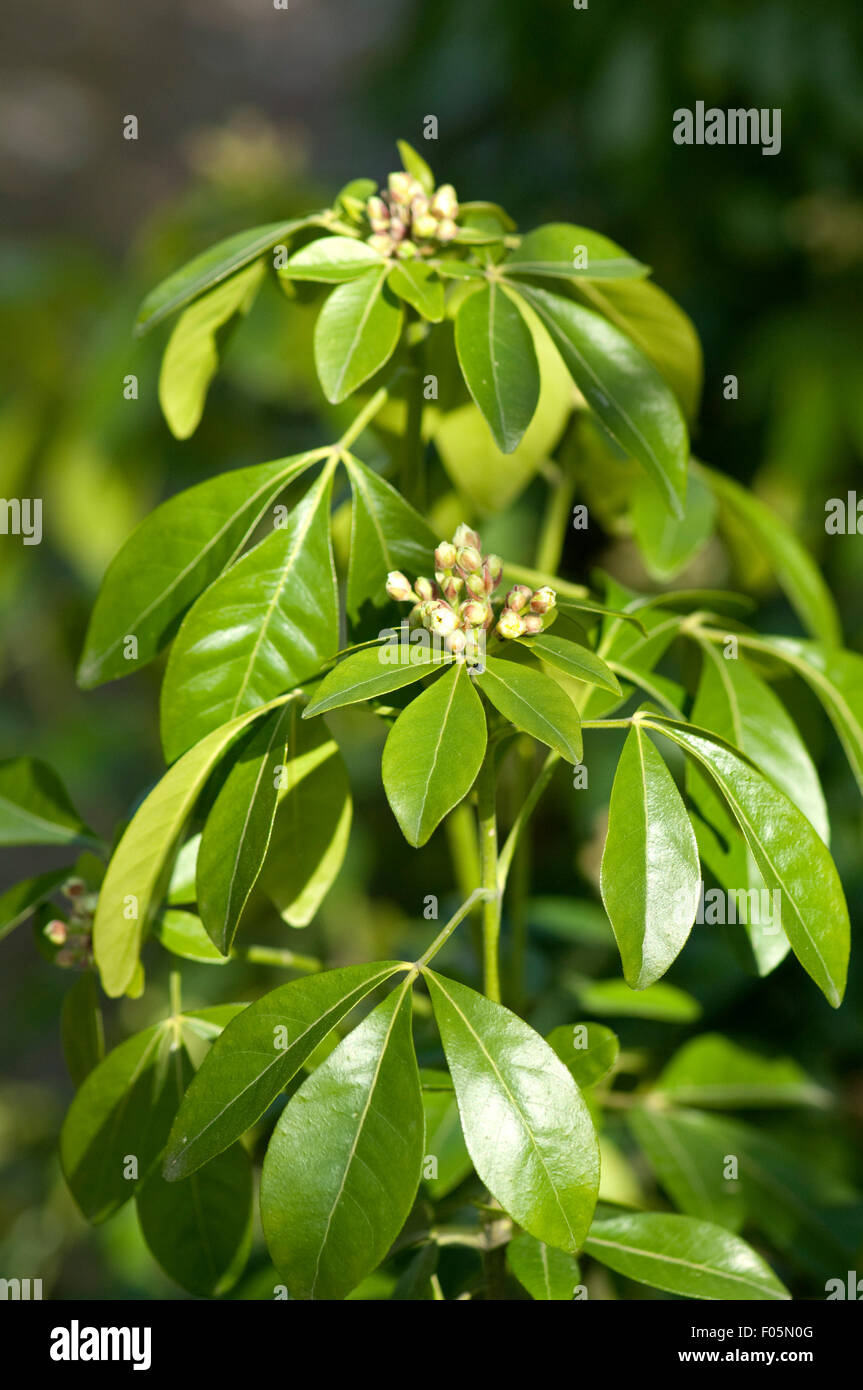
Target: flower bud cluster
[459, 606]
[74, 935]
[407, 222]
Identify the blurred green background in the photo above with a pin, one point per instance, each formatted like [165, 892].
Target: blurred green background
[249, 114]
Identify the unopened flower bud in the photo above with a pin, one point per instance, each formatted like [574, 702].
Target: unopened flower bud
[419, 205]
[445, 202]
[378, 214]
[476, 584]
[465, 536]
[397, 229]
[425, 227]
[456, 642]
[452, 586]
[519, 597]
[440, 618]
[424, 589]
[468, 559]
[406, 250]
[510, 623]
[398, 587]
[494, 566]
[473, 613]
[444, 556]
[56, 932]
[415, 616]
[532, 622]
[543, 600]
[381, 243]
[402, 188]
[74, 888]
[447, 230]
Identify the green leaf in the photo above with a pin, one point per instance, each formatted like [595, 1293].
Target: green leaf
[332, 259]
[417, 283]
[237, 832]
[558, 249]
[535, 703]
[373, 671]
[588, 1050]
[433, 753]
[525, 1124]
[386, 534]
[200, 1230]
[344, 1163]
[714, 1071]
[267, 624]
[256, 1056]
[191, 358]
[791, 857]
[622, 388]
[614, 998]
[35, 808]
[496, 353]
[140, 867]
[81, 1029]
[579, 662]
[122, 1112]
[668, 543]
[683, 1256]
[658, 326]
[19, 901]
[176, 552]
[312, 825]
[549, 1275]
[184, 935]
[356, 333]
[416, 166]
[211, 267]
[796, 572]
[688, 1169]
[444, 1143]
[414, 1285]
[650, 879]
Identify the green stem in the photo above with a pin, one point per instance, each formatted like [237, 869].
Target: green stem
[359, 422]
[174, 993]
[272, 955]
[413, 473]
[555, 523]
[487, 826]
[520, 881]
[524, 815]
[446, 932]
[460, 826]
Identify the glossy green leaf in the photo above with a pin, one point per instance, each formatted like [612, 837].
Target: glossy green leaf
[795, 570]
[416, 166]
[417, 283]
[312, 825]
[332, 259]
[525, 1124]
[174, 554]
[549, 1275]
[211, 267]
[386, 534]
[668, 543]
[433, 753]
[356, 333]
[574, 660]
[650, 878]
[373, 671]
[184, 935]
[81, 1028]
[200, 1230]
[35, 808]
[614, 998]
[344, 1163]
[237, 833]
[535, 703]
[256, 1056]
[191, 358]
[268, 623]
[690, 1171]
[415, 1282]
[683, 1256]
[22, 899]
[623, 389]
[589, 1051]
[140, 868]
[444, 1143]
[118, 1122]
[562, 251]
[496, 353]
[791, 857]
[714, 1071]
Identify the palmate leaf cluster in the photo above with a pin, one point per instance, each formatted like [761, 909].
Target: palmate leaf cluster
[241, 580]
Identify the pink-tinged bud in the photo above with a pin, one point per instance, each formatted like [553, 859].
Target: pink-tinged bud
[519, 597]
[465, 536]
[444, 556]
[455, 642]
[543, 600]
[381, 243]
[406, 251]
[398, 586]
[424, 227]
[440, 618]
[473, 613]
[445, 202]
[468, 559]
[532, 622]
[510, 624]
[419, 205]
[378, 214]
[424, 589]
[398, 231]
[401, 188]
[452, 587]
[476, 585]
[447, 230]
[74, 888]
[56, 932]
[494, 567]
